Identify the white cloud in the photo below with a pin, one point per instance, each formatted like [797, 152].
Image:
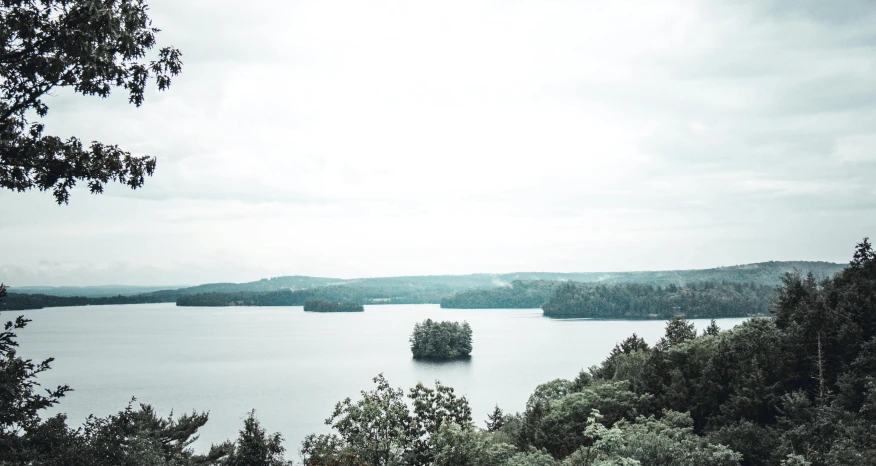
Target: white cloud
[858, 148]
[392, 137]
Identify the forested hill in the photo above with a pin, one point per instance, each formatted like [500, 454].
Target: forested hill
[527, 294]
[626, 301]
[520, 294]
[761, 273]
[412, 289]
[797, 389]
[387, 294]
[104, 291]
[20, 301]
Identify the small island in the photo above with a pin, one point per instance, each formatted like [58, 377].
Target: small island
[441, 341]
[322, 305]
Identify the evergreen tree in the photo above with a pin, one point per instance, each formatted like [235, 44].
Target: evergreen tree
[677, 330]
[495, 420]
[254, 447]
[21, 396]
[712, 329]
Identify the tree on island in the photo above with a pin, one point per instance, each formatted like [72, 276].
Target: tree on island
[92, 48]
[441, 340]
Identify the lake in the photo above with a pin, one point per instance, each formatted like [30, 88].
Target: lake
[291, 366]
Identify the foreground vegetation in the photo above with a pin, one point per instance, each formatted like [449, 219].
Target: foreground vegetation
[634, 301]
[441, 340]
[795, 389]
[798, 389]
[321, 305]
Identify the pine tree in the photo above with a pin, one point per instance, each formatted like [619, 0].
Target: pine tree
[678, 330]
[712, 329]
[495, 420]
[255, 447]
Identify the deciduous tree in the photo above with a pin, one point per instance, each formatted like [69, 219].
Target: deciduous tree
[92, 47]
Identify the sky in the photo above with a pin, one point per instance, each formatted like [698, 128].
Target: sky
[382, 138]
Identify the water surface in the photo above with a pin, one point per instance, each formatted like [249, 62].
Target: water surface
[291, 366]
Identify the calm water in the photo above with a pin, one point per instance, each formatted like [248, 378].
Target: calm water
[292, 366]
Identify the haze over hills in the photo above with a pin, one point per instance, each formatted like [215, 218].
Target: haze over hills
[762, 273]
[98, 291]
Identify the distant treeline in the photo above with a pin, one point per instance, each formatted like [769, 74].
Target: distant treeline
[321, 305]
[337, 293]
[528, 289]
[19, 302]
[701, 300]
[106, 291]
[520, 294]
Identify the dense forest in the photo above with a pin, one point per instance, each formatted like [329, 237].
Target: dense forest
[519, 294]
[321, 305]
[405, 290]
[18, 302]
[795, 389]
[367, 295]
[441, 340]
[634, 301]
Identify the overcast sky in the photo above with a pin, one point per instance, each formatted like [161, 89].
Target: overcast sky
[379, 138]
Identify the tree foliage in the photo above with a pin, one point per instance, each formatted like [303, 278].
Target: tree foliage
[678, 330]
[91, 47]
[799, 389]
[21, 396]
[254, 447]
[495, 420]
[380, 429]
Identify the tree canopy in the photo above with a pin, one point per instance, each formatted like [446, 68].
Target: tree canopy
[799, 389]
[91, 47]
[380, 429]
